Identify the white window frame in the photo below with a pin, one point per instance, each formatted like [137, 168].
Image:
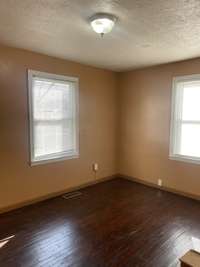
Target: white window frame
[173, 126]
[58, 156]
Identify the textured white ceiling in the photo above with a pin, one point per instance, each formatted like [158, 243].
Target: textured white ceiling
[148, 32]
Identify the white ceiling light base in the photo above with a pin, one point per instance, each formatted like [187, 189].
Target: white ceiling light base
[102, 23]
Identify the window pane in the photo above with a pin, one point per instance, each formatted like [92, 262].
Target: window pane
[48, 139]
[52, 100]
[190, 140]
[191, 101]
[53, 138]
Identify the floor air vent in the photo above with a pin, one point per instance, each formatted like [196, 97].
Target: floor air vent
[72, 195]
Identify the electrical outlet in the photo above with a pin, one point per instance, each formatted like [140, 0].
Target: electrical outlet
[95, 167]
[159, 182]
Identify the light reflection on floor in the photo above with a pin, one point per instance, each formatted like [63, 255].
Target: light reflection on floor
[4, 241]
[55, 239]
[196, 243]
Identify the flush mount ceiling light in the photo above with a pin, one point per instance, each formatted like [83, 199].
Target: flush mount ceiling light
[102, 23]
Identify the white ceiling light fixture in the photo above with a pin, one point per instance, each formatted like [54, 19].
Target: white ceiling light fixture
[102, 23]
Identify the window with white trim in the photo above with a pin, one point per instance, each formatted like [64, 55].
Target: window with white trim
[53, 115]
[185, 119]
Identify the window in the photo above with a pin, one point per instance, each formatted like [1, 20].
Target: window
[185, 119]
[53, 113]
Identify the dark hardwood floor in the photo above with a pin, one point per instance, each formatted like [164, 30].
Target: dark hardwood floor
[117, 223]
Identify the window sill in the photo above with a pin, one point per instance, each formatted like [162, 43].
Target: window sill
[46, 161]
[185, 159]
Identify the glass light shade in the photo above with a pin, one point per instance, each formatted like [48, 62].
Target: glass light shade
[102, 23]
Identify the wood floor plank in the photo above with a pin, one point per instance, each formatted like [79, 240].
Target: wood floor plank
[117, 223]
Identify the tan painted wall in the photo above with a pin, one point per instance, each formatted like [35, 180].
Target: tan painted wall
[18, 181]
[145, 127]
[126, 133]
